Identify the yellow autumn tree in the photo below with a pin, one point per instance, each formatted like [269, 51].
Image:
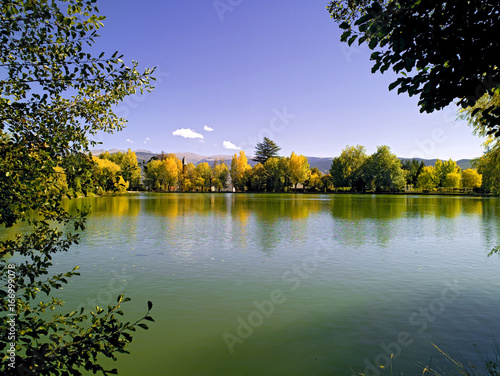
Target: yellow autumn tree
[173, 172]
[443, 168]
[471, 179]
[239, 167]
[107, 174]
[428, 178]
[452, 180]
[299, 169]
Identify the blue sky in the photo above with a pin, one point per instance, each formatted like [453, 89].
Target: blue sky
[230, 72]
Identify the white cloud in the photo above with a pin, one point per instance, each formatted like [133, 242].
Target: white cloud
[129, 141]
[186, 133]
[147, 140]
[207, 128]
[230, 145]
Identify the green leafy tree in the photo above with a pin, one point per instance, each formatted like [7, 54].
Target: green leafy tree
[442, 50]
[414, 168]
[478, 115]
[382, 170]
[203, 172]
[346, 168]
[265, 150]
[157, 175]
[221, 175]
[327, 182]
[489, 166]
[53, 94]
[257, 178]
[276, 171]
[189, 177]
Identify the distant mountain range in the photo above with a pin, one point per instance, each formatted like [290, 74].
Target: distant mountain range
[323, 164]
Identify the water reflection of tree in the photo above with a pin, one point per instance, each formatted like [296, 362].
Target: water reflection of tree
[109, 206]
[491, 222]
[360, 218]
[181, 205]
[271, 218]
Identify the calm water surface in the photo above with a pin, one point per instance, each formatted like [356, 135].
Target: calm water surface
[292, 284]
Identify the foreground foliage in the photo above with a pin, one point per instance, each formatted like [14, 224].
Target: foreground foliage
[53, 95]
[443, 51]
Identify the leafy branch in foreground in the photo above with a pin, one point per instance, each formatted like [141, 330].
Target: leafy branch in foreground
[53, 94]
[443, 51]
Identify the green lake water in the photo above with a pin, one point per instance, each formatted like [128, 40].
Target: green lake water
[261, 284]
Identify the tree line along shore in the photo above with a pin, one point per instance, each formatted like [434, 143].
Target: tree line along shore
[352, 171]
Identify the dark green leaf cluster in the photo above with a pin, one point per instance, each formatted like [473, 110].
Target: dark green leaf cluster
[414, 168]
[444, 50]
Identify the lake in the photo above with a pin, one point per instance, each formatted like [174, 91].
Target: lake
[283, 284]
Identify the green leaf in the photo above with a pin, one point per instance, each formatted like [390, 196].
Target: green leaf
[363, 19]
[150, 305]
[394, 85]
[352, 39]
[344, 25]
[373, 43]
[345, 35]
